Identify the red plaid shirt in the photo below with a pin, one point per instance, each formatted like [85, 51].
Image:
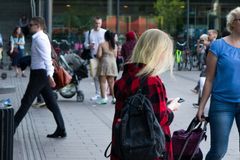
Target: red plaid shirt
[154, 89]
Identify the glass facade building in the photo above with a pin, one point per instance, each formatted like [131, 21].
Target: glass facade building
[137, 15]
[66, 18]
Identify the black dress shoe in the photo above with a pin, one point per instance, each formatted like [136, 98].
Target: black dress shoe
[59, 133]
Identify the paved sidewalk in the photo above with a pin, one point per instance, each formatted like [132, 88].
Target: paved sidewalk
[89, 125]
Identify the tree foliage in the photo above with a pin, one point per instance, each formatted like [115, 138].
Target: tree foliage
[169, 14]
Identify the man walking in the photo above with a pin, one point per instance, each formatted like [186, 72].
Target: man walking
[92, 41]
[41, 80]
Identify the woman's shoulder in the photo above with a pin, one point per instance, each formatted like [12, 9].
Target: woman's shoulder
[216, 45]
[218, 42]
[221, 44]
[154, 81]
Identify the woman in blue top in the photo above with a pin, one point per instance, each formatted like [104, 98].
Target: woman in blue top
[17, 41]
[223, 84]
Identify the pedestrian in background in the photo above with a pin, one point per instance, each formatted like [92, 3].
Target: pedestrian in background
[92, 41]
[17, 42]
[23, 23]
[152, 56]
[107, 67]
[120, 60]
[223, 83]
[1, 50]
[41, 78]
[128, 46]
[212, 35]
[202, 50]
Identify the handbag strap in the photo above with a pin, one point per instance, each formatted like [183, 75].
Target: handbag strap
[105, 153]
[203, 135]
[193, 124]
[89, 36]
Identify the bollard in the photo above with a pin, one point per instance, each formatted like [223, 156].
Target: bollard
[6, 132]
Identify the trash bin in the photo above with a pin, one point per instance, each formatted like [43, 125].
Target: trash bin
[6, 132]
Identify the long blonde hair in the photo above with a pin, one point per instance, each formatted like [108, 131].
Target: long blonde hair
[155, 49]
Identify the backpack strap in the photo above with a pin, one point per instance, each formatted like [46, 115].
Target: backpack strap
[89, 36]
[142, 81]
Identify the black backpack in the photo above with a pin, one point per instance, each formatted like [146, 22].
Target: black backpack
[138, 135]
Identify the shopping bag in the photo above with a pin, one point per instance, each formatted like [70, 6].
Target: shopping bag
[93, 67]
[60, 76]
[186, 142]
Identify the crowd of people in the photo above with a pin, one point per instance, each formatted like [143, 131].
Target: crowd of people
[203, 45]
[149, 57]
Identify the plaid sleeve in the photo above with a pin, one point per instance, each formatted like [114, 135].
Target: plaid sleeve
[155, 91]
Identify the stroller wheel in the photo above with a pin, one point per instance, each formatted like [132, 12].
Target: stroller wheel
[80, 96]
[68, 91]
[55, 95]
[4, 75]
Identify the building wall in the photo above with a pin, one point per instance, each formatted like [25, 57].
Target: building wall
[79, 14]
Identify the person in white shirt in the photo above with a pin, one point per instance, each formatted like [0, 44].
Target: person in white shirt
[41, 78]
[92, 42]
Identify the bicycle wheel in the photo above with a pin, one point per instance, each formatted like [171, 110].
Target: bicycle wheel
[189, 63]
[180, 66]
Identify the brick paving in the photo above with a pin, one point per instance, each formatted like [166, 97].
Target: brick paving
[89, 125]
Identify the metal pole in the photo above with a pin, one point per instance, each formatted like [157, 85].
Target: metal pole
[49, 17]
[117, 18]
[110, 7]
[187, 23]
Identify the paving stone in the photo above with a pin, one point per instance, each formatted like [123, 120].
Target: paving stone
[89, 125]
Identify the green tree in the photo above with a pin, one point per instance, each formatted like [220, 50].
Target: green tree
[169, 14]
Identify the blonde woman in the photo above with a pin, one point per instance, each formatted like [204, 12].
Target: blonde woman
[151, 56]
[223, 83]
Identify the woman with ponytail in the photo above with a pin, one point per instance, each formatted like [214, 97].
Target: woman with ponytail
[107, 67]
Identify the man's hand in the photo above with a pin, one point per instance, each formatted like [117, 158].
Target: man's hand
[51, 82]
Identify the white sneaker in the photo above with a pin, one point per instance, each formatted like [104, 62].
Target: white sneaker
[96, 97]
[113, 100]
[102, 101]
[39, 104]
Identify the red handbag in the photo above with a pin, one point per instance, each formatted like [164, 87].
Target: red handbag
[186, 142]
[60, 76]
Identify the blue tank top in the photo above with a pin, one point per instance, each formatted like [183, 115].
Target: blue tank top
[226, 84]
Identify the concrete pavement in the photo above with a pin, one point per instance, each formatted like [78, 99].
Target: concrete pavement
[89, 125]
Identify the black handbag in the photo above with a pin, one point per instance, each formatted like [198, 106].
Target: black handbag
[186, 142]
[86, 54]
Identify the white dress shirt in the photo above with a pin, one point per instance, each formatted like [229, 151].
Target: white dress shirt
[41, 53]
[96, 37]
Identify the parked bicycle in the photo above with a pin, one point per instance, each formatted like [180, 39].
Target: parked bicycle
[180, 47]
[188, 60]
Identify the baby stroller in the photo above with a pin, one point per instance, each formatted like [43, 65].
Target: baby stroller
[78, 69]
